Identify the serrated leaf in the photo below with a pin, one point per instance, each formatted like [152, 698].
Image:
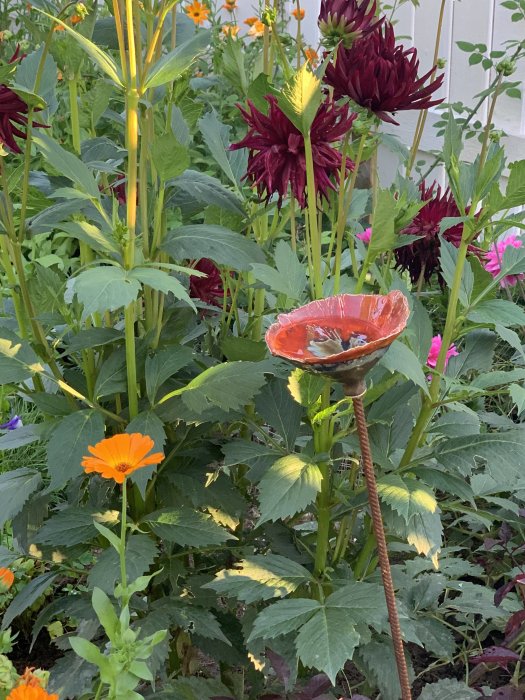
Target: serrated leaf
[277, 408]
[260, 577]
[112, 377]
[27, 596]
[217, 137]
[18, 362]
[69, 527]
[446, 689]
[90, 234]
[170, 157]
[424, 532]
[377, 661]
[288, 486]
[305, 387]
[141, 552]
[25, 435]
[400, 358]
[163, 365]
[301, 97]
[500, 311]
[517, 394]
[406, 496]
[289, 277]
[283, 617]
[162, 281]
[105, 288]
[194, 190]
[68, 445]
[16, 487]
[214, 242]
[187, 527]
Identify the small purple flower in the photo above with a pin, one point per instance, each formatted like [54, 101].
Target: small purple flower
[13, 424]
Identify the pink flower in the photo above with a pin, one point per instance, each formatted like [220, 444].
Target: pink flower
[495, 256]
[435, 348]
[365, 236]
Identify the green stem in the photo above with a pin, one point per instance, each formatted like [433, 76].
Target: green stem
[73, 108]
[123, 526]
[315, 238]
[131, 360]
[322, 444]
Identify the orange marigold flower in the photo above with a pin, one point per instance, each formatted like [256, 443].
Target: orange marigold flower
[31, 692]
[257, 29]
[118, 456]
[231, 30]
[58, 28]
[7, 578]
[250, 21]
[298, 14]
[29, 678]
[75, 19]
[230, 5]
[198, 12]
[311, 56]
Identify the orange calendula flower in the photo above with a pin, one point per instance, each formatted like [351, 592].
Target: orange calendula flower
[7, 578]
[298, 14]
[198, 12]
[257, 29]
[230, 5]
[75, 19]
[31, 692]
[311, 56]
[250, 21]
[119, 456]
[231, 30]
[58, 28]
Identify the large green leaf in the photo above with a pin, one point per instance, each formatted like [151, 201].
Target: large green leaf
[68, 445]
[217, 137]
[288, 486]
[25, 435]
[170, 157]
[18, 362]
[67, 164]
[260, 577]
[229, 386]
[187, 527]
[406, 496]
[16, 487]
[111, 378]
[515, 192]
[383, 233]
[90, 234]
[141, 552]
[27, 596]
[376, 660]
[448, 688]
[283, 617]
[400, 358]
[194, 190]
[289, 275]
[259, 457]
[161, 281]
[163, 365]
[305, 387]
[504, 454]
[105, 288]
[500, 311]
[216, 243]
[174, 63]
[277, 408]
[67, 527]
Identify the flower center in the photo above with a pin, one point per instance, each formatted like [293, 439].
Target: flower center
[123, 467]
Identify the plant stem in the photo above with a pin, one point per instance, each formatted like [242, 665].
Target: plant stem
[73, 108]
[315, 238]
[322, 445]
[131, 360]
[123, 526]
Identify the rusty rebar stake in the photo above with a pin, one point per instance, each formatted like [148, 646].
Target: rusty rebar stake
[379, 531]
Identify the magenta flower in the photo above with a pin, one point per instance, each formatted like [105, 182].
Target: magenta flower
[365, 235]
[435, 349]
[12, 424]
[208, 289]
[13, 111]
[347, 20]
[277, 160]
[422, 256]
[381, 76]
[495, 256]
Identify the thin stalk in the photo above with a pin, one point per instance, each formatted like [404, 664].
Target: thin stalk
[299, 35]
[266, 44]
[315, 238]
[123, 527]
[119, 25]
[73, 108]
[131, 360]
[322, 444]
[293, 224]
[12, 281]
[423, 114]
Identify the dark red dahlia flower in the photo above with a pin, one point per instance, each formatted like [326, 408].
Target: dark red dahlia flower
[347, 20]
[422, 256]
[208, 289]
[13, 111]
[381, 76]
[277, 159]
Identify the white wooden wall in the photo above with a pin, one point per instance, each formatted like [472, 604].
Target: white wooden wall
[475, 21]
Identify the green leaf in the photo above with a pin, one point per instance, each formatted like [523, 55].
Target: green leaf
[383, 233]
[511, 337]
[25, 435]
[283, 617]
[18, 362]
[216, 243]
[106, 614]
[275, 405]
[111, 378]
[259, 457]
[217, 137]
[67, 164]
[365, 603]
[477, 354]
[161, 281]
[327, 641]
[305, 387]
[174, 63]
[16, 487]
[141, 552]
[376, 660]
[503, 452]
[290, 276]
[517, 394]
[68, 527]
[260, 577]
[515, 192]
[229, 386]
[27, 596]
[92, 338]
[187, 527]
[406, 496]
[424, 531]
[193, 190]
[288, 486]
[163, 365]
[493, 379]
[446, 689]
[448, 260]
[301, 97]
[237, 348]
[147, 423]
[90, 234]
[170, 157]
[105, 288]
[102, 59]
[68, 445]
[400, 358]
[500, 311]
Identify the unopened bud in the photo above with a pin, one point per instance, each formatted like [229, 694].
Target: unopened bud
[441, 62]
[506, 67]
[269, 16]
[81, 10]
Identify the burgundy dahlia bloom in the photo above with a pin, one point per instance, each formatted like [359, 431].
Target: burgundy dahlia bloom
[347, 20]
[422, 256]
[277, 159]
[208, 289]
[13, 111]
[381, 76]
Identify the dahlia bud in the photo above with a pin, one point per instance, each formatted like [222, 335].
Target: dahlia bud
[506, 67]
[441, 63]
[269, 16]
[6, 35]
[8, 675]
[81, 10]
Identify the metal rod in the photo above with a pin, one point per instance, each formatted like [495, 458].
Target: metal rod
[386, 573]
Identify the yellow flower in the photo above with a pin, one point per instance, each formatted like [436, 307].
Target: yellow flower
[198, 12]
[257, 29]
[298, 14]
[231, 30]
[118, 456]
